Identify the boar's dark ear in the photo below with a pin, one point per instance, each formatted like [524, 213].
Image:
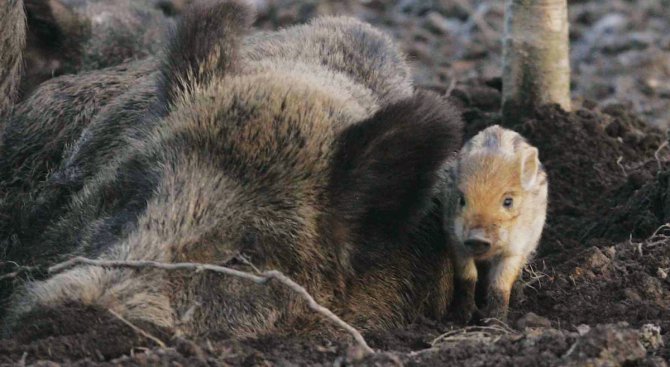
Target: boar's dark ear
[204, 44]
[386, 167]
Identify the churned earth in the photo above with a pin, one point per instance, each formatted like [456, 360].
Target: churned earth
[597, 292]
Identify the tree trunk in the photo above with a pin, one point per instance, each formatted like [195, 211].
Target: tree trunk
[12, 41]
[536, 60]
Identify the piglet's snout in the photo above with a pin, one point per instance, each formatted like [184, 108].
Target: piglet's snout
[477, 242]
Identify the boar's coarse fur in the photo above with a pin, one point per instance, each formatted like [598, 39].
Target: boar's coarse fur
[69, 36]
[306, 150]
[12, 42]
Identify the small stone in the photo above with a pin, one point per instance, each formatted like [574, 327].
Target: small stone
[596, 259]
[652, 288]
[650, 337]
[583, 329]
[663, 274]
[611, 345]
[531, 320]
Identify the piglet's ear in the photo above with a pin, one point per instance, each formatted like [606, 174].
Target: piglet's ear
[530, 166]
[386, 167]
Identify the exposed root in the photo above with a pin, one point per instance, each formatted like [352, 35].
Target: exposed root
[262, 278]
[488, 334]
[623, 169]
[658, 231]
[22, 362]
[659, 236]
[491, 322]
[532, 276]
[657, 155]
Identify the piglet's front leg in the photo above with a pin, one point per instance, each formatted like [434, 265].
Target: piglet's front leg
[465, 281]
[502, 275]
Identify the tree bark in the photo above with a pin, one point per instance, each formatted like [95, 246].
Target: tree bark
[536, 59]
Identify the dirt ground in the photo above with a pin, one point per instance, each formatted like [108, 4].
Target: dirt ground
[598, 291]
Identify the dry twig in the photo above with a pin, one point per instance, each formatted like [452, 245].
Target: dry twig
[20, 269]
[137, 329]
[530, 276]
[262, 278]
[22, 362]
[451, 87]
[466, 334]
[658, 230]
[11, 275]
[618, 163]
[657, 155]
[659, 236]
[491, 333]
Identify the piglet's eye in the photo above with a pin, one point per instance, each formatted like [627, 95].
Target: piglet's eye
[508, 202]
[461, 199]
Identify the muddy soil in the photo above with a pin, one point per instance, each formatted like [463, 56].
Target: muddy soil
[598, 291]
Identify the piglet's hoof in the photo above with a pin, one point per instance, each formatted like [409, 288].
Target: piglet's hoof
[492, 316]
[497, 303]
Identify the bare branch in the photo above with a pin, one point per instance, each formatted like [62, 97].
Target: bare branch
[11, 275]
[137, 329]
[263, 278]
[318, 308]
[20, 269]
[144, 264]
